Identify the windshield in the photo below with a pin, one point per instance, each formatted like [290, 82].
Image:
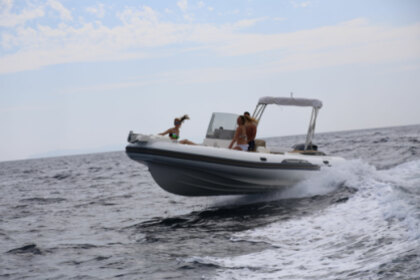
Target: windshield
[222, 126]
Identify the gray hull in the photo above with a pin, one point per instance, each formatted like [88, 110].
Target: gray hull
[195, 173]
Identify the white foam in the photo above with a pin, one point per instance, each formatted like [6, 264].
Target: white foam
[403, 197]
[323, 182]
[374, 226]
[404, 175]
[328, 180]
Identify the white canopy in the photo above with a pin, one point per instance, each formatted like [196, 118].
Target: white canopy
[290, 101]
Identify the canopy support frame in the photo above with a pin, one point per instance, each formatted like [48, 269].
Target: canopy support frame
[259, 110]
[311, 128]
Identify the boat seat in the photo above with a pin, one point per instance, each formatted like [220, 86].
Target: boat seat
[311, 151]
[259, 145]
[263, 150]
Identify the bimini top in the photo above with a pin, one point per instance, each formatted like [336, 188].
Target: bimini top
[290, 101]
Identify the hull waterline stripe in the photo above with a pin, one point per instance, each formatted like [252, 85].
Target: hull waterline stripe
[136, 150]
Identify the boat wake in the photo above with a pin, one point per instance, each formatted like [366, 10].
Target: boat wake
[375, 231]
[348, 216]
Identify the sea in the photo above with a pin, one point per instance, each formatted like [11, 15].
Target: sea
[101, 216]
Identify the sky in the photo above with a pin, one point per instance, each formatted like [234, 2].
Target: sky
[77, 76]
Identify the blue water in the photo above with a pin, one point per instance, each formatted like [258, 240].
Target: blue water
[102, 216]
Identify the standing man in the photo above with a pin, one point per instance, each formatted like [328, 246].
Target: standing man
[251, 131]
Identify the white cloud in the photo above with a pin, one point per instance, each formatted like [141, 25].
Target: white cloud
[247, 22]
[310, 49]
[65, 14]
[188, 17]
[134, 16]
[183, 5]
[298, 4]
[141, 32]
[98, 10]
[351, 39]
[102, 87]
[8, 19]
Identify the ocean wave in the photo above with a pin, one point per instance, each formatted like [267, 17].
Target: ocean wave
[102, 216]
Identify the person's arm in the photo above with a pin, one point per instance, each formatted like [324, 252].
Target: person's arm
[254, 132]
[166, 132]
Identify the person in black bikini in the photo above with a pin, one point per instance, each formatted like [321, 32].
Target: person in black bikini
[173, 132]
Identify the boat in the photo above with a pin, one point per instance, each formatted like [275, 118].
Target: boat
[210, 168]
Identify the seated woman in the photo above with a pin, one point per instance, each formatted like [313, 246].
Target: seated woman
[240, 136]
[173, 132]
